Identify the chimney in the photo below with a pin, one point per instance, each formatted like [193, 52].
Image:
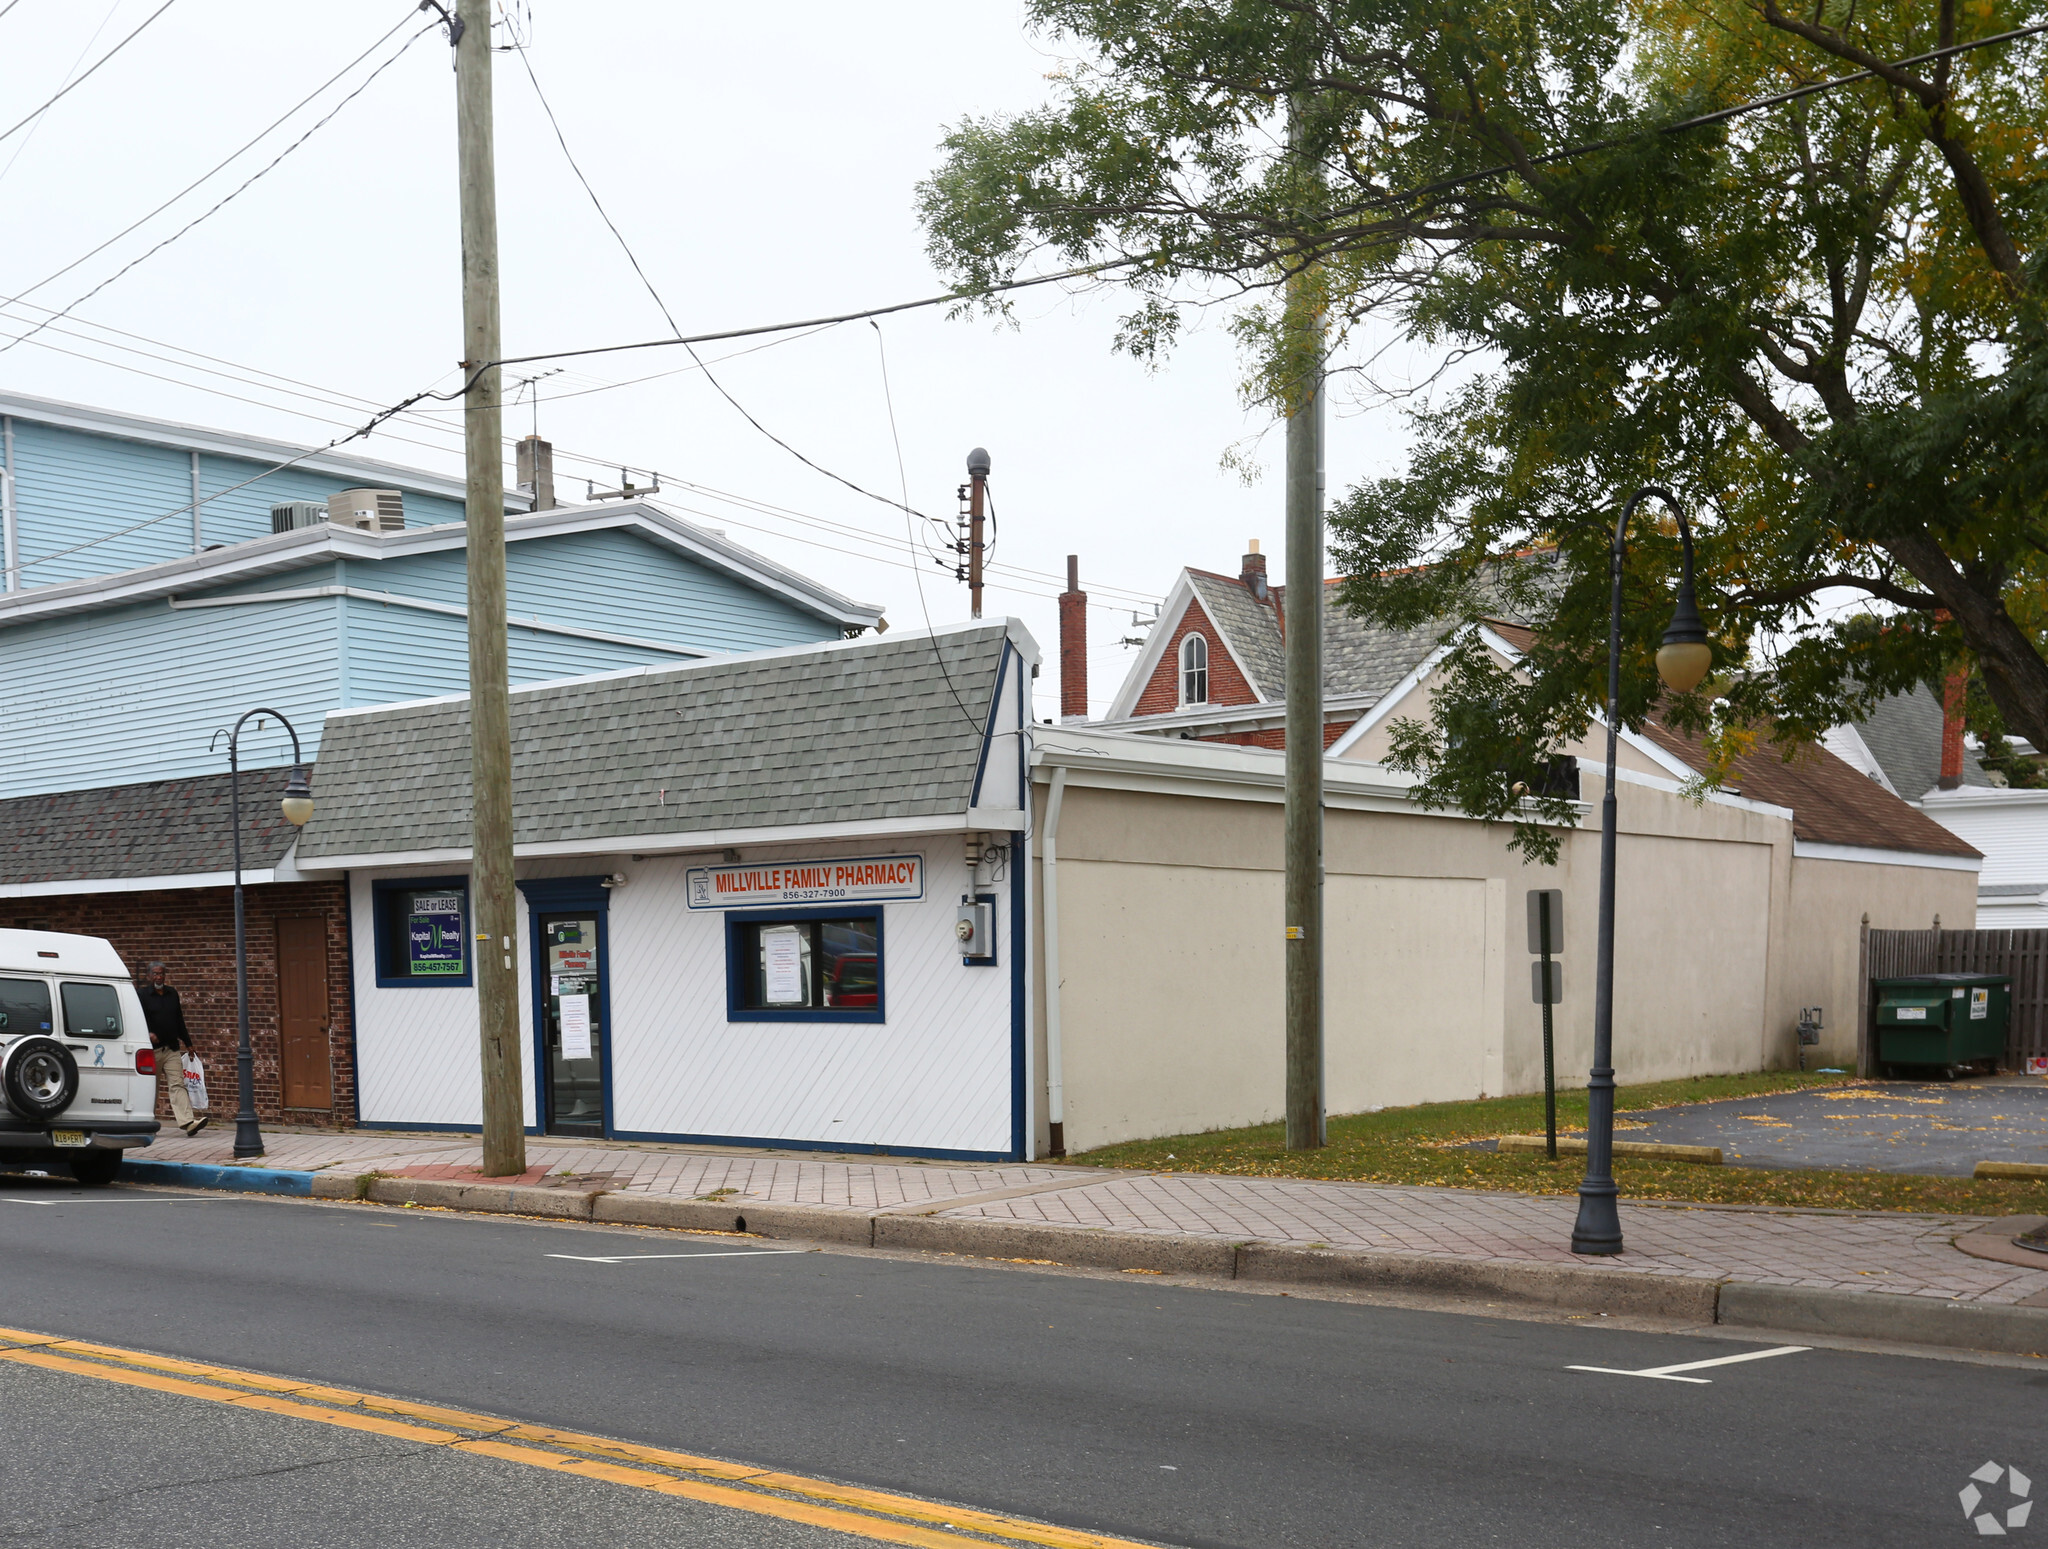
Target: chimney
[1253, 570]
[537, 472]
[1073, 645]
[1953, 690]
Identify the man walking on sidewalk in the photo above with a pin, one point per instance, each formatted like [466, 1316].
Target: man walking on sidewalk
[166, 1021]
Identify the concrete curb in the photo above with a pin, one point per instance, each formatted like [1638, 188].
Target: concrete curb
[1646, 1150]
[209, 1175]
[1912, 1320]
[1580, 1288]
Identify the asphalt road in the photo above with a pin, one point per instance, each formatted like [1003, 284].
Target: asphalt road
[1189, 1416]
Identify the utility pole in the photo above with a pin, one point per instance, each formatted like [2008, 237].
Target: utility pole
[977, 503]
[492, 908]
[1302, 377]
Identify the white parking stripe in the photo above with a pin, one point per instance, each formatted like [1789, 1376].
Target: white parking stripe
[1670, 1373]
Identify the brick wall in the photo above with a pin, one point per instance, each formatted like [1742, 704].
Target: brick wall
[1226, 684]
[1276, 737]
[192, 932]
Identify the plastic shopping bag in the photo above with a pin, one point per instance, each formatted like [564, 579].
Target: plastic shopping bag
[195, 1082]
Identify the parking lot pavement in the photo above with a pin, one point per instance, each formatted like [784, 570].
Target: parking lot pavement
[1941, 1127]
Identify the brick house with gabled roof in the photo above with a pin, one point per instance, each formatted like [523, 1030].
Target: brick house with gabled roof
[1215, 666]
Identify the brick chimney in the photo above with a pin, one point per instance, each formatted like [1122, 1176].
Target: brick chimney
[1952, 693]
[1253, 570]
[1073, 645]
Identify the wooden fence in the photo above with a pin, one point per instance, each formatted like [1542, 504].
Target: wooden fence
[1890, 954]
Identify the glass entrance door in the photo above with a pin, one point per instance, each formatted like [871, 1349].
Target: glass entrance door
[572, 1025]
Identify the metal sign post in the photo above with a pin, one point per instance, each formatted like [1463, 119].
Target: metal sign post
[1546, 934]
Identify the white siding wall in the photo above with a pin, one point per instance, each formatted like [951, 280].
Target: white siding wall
[2011, 830]
[934, 1076]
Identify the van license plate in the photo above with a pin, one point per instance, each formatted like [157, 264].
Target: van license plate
[69, 1137]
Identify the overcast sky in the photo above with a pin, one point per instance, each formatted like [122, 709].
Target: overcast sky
[762, 163]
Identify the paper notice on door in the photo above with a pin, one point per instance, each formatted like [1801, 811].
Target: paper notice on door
[782, 966]
[575, 1027]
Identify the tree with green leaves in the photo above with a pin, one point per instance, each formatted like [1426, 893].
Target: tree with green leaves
[1819, 321]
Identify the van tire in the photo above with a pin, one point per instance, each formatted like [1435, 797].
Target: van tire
[95, 1169]
[40, 1079]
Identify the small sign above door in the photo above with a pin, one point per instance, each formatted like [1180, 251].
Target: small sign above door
[806, 882]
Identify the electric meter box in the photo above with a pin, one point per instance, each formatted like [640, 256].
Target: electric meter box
[975, 927]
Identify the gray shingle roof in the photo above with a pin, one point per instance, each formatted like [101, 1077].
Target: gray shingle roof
[162, 828]
[1359, 657]
[1249, 627]
[873, 730]
[1904, 735]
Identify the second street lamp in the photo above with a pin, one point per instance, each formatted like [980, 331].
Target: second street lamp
[1682, 662]
[297, 806]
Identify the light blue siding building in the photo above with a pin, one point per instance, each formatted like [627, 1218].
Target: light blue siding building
[119, 659]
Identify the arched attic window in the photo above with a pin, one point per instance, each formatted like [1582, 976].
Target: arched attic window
[1194, 670]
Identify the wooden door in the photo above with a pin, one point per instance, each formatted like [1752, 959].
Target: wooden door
[302, 1012]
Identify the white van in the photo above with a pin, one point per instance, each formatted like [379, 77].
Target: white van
[77, 1073]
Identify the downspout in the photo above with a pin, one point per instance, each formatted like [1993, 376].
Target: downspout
[198, 524]
[1048, 849]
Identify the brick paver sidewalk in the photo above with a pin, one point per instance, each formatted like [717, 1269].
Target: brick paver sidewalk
[1874, 1251]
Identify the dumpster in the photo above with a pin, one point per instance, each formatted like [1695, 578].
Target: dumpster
[1955, 1021]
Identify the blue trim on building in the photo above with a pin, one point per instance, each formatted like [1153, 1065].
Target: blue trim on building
[735, 1012]
[401, 1127]
[1020, 1028]
[988, 731]
[383, 886]
[568, 895]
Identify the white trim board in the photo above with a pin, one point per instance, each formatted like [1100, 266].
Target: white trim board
[1809, 850]
[974, 820]
[250, 878]
[281, 553]
[391, 599]
[1018, 636]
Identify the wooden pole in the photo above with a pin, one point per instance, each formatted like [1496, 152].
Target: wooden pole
[490, 713]
[1303, 368]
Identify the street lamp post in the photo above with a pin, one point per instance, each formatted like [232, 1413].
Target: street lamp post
[297, 807]
[1682, 661]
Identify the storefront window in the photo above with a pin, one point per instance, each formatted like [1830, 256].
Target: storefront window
[422, 932]
[805, 967]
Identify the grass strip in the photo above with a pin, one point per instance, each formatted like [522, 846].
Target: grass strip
[1426, 1144]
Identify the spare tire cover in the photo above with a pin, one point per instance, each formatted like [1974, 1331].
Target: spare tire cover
[40, 1079]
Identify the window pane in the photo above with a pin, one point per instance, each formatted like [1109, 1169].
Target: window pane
[806, 965]
[425, 932]
[92, 1011]
[24, 1007]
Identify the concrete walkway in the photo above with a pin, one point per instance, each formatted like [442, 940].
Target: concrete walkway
[1841, 1252]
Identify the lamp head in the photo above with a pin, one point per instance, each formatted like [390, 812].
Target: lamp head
[298, 796]
[1685, 656]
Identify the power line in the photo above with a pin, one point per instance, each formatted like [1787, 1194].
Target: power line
[203, 177]
[231, 197]
[72, 86]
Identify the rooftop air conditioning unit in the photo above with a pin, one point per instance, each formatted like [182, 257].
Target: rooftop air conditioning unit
[291, 515]
[367, 510]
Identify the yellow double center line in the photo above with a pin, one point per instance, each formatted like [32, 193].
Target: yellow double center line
[874, 1514]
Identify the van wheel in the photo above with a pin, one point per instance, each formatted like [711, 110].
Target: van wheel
[95, 1169]
[40, 1079]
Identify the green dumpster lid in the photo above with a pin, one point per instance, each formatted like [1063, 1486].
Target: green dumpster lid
[1911, 981]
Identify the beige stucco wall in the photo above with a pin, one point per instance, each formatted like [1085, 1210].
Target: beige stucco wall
[1826, 905]
[1171, 955]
